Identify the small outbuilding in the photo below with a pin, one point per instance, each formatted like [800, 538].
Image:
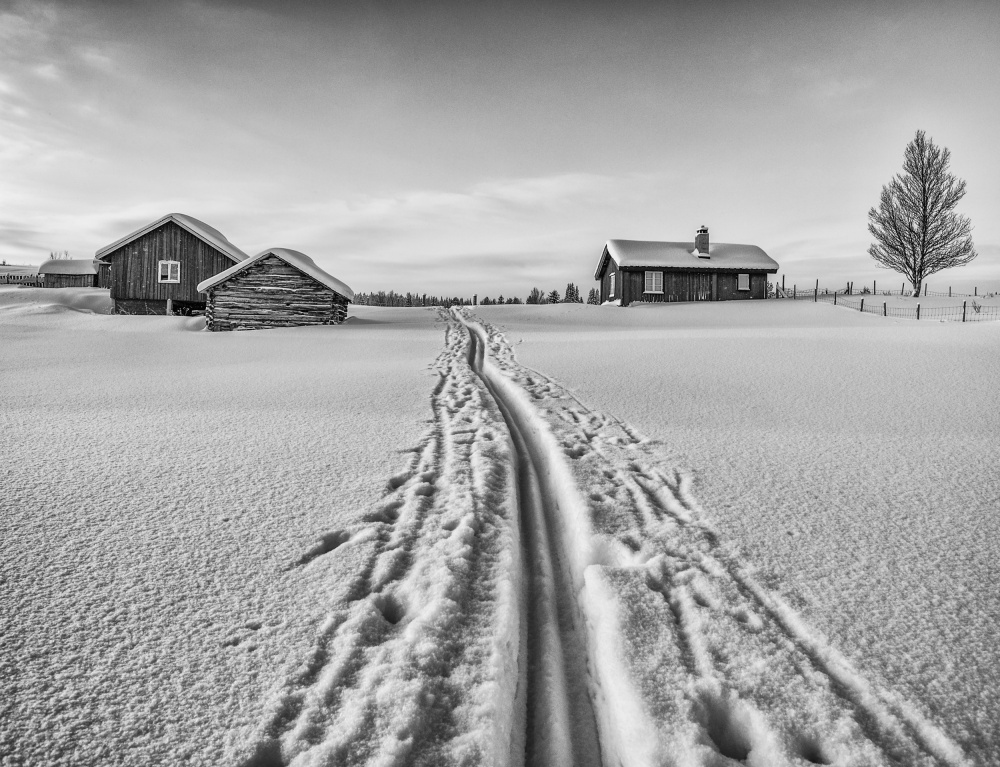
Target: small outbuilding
[157, 268]
[642, 270]
[278, 287]
[72, 273]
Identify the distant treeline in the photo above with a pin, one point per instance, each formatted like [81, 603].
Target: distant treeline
[536, 296]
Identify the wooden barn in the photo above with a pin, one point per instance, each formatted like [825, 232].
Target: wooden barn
[276, 288]
[156, 269]
[72, 273]
[639, 270]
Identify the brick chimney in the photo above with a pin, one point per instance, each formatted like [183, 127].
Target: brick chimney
[701, 242]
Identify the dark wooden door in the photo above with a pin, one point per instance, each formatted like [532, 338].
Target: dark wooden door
[701, 287]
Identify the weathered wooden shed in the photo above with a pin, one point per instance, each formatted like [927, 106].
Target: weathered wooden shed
[278, 287]
[641, 270]
[71, 273]
[163, 262]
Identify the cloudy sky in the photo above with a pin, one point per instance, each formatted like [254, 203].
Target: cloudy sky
[465, 147]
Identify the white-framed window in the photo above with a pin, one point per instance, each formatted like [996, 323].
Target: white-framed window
[743, 282]
[654, 282]
[170, 271]
[611, 283]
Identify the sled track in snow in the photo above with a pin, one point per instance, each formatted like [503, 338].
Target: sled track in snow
[541, 589]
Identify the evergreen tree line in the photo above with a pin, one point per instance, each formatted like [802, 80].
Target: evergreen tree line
[536, 296]
[392, 298]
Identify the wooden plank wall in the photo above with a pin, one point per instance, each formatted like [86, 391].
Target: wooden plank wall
[609, 269]
[272, 293]
[134, 266]
[68, 280]
[692, 286]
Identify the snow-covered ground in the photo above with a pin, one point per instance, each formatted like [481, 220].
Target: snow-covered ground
[851, 459]
[682, 535]
[166, 496]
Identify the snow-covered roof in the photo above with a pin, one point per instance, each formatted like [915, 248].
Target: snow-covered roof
[300, 261]
[682, 255]
[200, 229]
[70, 266]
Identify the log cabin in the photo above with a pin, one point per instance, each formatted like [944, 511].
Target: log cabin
[631, 271]
[278, 287]
[156, 269]
[71, 273]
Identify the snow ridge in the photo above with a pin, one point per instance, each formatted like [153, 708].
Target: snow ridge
[693, 660]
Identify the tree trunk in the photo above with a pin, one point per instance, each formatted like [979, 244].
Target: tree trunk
[916, 288]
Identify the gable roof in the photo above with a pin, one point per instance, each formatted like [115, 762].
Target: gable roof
[199, 229]
[681, 255]
[300, 261]
[70, 266]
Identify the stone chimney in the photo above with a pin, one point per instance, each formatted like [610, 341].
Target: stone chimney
[701, 242]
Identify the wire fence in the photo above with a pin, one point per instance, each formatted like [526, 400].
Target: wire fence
[867, 301]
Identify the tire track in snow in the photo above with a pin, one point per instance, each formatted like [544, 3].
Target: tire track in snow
[694, 660]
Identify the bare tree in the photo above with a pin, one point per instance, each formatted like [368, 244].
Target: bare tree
[916, 230]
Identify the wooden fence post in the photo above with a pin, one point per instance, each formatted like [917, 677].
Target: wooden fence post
[902, 289]
[862, 305]
[835, 298]
[963, 310]
[874, 284]
[816, 292]
[925, 289]
[794, 292]
[975, 291]
[918, 311]
[885, 311]
[782, 283]
[949, 291]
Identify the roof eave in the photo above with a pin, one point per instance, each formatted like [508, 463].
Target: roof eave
[160, 222]
[605, 256]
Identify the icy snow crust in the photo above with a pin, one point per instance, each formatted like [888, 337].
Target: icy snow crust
[394, 543]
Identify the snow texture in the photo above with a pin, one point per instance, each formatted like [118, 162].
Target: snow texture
[215, 551]
[70, 266]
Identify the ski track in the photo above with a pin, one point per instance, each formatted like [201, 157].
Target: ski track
[545, 590]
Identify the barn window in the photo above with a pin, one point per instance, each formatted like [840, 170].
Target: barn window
[611, 289]
[743, 282]
[654, 282]
[170, 271]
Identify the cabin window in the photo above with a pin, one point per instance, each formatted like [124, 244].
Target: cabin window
[743, 282]
[611, 283]
[170, 271]
[654, 282]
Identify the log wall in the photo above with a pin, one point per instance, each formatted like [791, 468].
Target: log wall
[69, 280]
[270, 294]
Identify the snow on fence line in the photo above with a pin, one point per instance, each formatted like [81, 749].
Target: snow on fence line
[32, 280]
[867, 301]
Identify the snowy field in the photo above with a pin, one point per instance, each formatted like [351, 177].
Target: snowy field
[681, 535]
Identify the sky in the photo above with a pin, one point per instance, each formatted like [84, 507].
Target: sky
[463, 147]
